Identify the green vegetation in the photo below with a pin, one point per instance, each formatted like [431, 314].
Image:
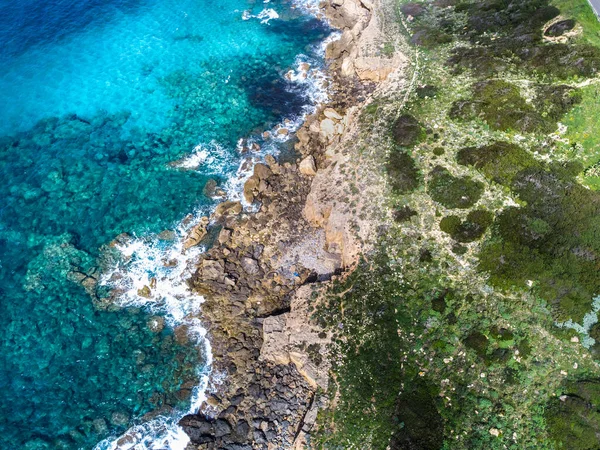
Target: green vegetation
[574, 417]
[406, 131]
[469, 230]
[502, 107]
[469, 329]
[402, 172]
[553, 239]
[500, 161]
[453, 192]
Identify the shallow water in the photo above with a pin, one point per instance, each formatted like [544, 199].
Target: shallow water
[98, 100]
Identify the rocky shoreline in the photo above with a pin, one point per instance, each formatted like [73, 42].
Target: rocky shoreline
[265, 270]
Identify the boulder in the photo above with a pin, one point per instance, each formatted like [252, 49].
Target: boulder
[224, 235]
[272, 163]
[144, 292]
[249, 187]
[262, 171]
[156, 324]
[196, 234]
[303, 137]
[327, 128]
[228, 208]
[308, 166]
[331, 113]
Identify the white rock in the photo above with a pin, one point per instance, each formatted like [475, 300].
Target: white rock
[332, 114]
[327, 128]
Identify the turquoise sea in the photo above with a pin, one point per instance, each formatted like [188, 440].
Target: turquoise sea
[118, 116]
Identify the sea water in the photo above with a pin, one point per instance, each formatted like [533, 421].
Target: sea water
[115, 115]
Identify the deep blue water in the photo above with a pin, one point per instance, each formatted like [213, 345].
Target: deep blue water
[98, 97]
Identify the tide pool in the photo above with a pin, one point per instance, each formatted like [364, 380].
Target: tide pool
[100, 100]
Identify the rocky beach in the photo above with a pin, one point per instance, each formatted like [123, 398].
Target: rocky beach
[266, 270]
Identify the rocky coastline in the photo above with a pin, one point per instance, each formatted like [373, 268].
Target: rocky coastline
[266, 270]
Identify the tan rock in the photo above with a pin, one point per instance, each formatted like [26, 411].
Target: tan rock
[144, 292]
[224, 236]
[228, 208]
[271, 162]
[249, 265]
[262, 172]
[314, 127]
[303, 136]
[332, 114]
[263, 186]
[196, 234]
[212, 270]
[373, 68]
[249, 187]
[308, 166]
[283, 132]
[327, 128]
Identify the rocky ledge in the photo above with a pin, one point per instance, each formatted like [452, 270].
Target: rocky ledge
[266, 269]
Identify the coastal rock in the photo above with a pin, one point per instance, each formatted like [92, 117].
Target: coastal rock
[228, 208]
[308, 166]
[290, 337]
[262, 171]
[250, 186]
[156, 324]
[210, 188]
[213, 270]
[250, 265]
[303, 137]
[373, 68]
[272, 163]
[144, 292]
[224, 236]
[259, 280]
[327, 128]
[331, 113]
[196, 234]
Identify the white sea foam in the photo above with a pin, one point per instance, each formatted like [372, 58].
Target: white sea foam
[264, 16]
[148, 262]
[309, 6]
[212, 158]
